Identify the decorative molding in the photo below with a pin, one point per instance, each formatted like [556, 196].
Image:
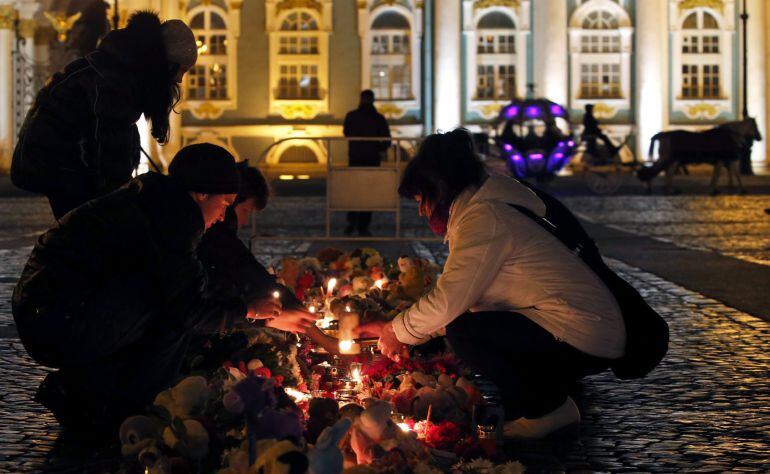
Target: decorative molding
[207, 110]
[702, 110]
[390, 3]
[490, 110]
[713, 4]
[604, 110]
[62, 23]
[235, 4]
[361, 4]
[8, 16]
[480, 4]
[27, 28]
[390, 110]
[298, 111]
[284, 5]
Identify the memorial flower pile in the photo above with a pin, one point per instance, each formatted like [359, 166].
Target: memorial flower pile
[256, 400]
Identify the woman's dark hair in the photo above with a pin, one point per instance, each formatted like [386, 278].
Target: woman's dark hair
[444, 167]
[140, 47]
[253, 185]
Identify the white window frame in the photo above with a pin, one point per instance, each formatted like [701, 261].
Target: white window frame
[701, 60]
[298, 107]
[368, 12]
[206, 107]
[617, 55]
[391, 60]
[489, 107]
[700, 108]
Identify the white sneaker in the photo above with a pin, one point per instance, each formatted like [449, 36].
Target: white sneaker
[536, 428]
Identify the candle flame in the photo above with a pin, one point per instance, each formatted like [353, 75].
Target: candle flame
[380, 283]
[404, 427]
[311, 309]
[356, 374]
[347, 308]
[276, 294]
[330, 286]
[296, 394]
[325, 323]
[346, 345]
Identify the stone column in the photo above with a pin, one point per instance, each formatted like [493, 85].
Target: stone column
[551, 55]
[651, 69]
[757, 81]
[446, 72]
[8, 15]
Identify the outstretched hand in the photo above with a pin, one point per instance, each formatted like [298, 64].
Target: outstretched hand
[292, 320]
[263, 308]
[388, 343]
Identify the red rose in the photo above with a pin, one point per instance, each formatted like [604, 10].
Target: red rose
[278, 379]
[262, 372]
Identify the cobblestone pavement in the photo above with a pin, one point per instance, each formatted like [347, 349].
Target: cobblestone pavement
[706, 408]
[735, 226]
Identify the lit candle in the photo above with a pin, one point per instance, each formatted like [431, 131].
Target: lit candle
[404, 427]
[276, 294]
[330, 287]
[380, 283]
[355, 372]
[348, 320]
[311, 309]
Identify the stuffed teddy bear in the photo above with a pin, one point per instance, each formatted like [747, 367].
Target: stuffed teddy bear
[137, 433]
[255, 398]
[279, 457]
[289, 272]
[374, 434]
[322, 413]
[442, 397]
[188, 438]
[326, 456]
[185, 398]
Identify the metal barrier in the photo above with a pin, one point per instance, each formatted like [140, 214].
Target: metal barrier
[348, 188]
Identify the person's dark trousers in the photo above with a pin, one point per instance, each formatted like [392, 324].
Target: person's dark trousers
[64, 203]
[113, 354]
[532, 369]
[359, 221]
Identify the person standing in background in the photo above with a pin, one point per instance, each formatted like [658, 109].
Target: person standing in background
[365, 121]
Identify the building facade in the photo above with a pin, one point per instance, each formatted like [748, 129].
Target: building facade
[273, 69]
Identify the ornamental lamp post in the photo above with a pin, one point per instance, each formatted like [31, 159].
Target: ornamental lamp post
[745, 158]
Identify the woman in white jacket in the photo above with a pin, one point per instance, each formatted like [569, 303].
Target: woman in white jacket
[516, 305]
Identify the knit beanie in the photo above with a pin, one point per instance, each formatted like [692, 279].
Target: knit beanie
[179, 42]
[205, 168]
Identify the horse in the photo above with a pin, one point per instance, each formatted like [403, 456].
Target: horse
[719, 146]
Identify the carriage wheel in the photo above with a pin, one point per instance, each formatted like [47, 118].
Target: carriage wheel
[606, 179]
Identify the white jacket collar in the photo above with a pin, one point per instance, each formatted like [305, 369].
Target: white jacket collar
[497, 188]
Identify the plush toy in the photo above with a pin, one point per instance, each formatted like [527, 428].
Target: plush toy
[411, 280]
[322, 413]
[326, 456]
[374, 434]
[185, 398]
[279, 457]
[137, 433]
[255, 398]
[362, 284]
[188, 438]
[445, 401]
[289, 272]
[329, 255]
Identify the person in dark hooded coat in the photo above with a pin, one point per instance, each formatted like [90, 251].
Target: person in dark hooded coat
[233, 271]
[113, 293]
[80, 139]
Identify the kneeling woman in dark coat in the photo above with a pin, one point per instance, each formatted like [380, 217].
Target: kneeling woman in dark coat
[516, 305]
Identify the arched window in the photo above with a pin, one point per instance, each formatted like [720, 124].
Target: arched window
[208, 80]
[700, 57]
[298, 154]
[600, 46]
[391, 57]
[495, 57]
[298, 58]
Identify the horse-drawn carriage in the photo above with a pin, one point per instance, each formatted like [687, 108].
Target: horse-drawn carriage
[536, 140]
